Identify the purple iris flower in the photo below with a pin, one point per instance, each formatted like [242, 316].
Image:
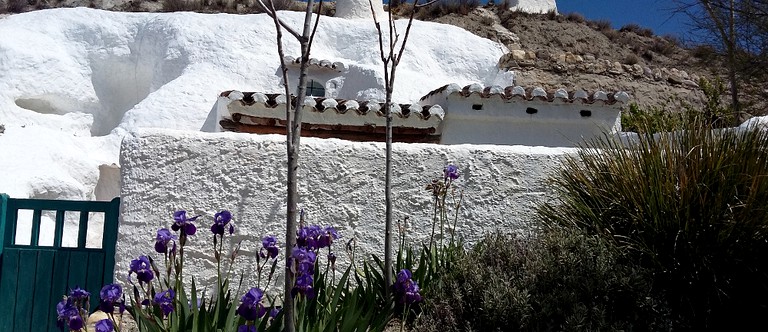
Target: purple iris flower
[269, 244]
[75, 323]
[68, 315]
[250, 305]
[326, 237]
[406, 289]
[404, 275]
[104, 325]
[66, 309]
[307, 237]
[305, 260]
[304, 285]
[78, 294]
[165, 301]
[246, 328]
[142, 268]
[163, 238]
[111, 295]
[451, 172]
[181, 222]
[220, 221]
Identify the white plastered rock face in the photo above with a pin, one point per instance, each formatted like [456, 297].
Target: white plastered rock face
[360, 9]
[340, 184]
[534, 6]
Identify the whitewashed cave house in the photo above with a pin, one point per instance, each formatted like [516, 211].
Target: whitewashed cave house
[451, 114]
[341, 102]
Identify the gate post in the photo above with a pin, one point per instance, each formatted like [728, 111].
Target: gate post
[3, 216]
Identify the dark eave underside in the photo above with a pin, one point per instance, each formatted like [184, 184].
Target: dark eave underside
[364, 133]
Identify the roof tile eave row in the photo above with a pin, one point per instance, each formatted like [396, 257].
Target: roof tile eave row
[339, 106]
[321, 63]
[530, 94]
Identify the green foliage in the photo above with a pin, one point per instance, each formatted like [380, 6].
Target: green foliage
[637, 29]
[692, 206]
[677, 115]
[714, 112]
[602, 25]
[559, 280]
[652, 119]
[345, 307]
[575, 17]
[666, 45]
[446, 7]
[214, 314]
[15, 6]
[182, 5]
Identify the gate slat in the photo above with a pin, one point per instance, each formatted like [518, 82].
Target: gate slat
[95, 271]
[59, 285]
[42, 309]
[78, 263]
[25, 293]
[8, 287]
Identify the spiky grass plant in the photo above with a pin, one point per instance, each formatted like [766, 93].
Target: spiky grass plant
[691, 205]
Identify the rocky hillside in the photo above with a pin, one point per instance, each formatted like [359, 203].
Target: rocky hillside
[551, 51]
[556, 51]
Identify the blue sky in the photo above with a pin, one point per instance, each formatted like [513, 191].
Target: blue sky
[653, 14]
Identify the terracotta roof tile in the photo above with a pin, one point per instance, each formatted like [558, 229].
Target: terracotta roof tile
[339, 106]
[531, 94]
[324, 64]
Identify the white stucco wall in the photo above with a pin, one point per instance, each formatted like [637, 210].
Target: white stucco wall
[506, 122]
[534, 6]
[341, 184]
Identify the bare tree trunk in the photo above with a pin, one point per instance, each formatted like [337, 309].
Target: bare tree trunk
[732, 61]
[293, 144]
[293, 141]
[390, 60]
[388, 194]
[726, 31]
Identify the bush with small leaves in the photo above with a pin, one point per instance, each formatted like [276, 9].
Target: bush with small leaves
[558, 280]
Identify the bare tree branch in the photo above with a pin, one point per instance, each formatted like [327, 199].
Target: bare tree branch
[317, 21]
[271, 12]
[381, 35]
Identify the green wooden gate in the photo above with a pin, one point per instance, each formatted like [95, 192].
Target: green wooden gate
[34, 277]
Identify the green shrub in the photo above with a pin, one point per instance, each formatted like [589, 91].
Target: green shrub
[637, 29]
[704, 52]
[676, 114]
[575, 17]
[664, 45]
[602, 25]
[631, 59]
[653, 119]
[560, 280]
[613, 35]
[692, 206]
[182, 5]
[445, 7]
[15, 6]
